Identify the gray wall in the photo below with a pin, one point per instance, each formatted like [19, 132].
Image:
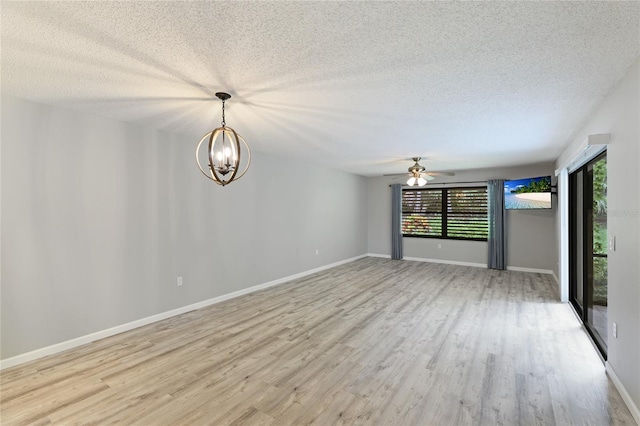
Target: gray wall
[99, 218]
[531, 234]
[619, 115]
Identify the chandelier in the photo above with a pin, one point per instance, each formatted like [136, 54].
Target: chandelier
[226, 149]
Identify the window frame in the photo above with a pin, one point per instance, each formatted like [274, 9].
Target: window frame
[444, 213]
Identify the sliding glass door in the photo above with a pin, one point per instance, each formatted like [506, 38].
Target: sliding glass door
[588, 247]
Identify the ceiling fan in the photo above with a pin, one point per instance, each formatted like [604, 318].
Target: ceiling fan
[418, 175]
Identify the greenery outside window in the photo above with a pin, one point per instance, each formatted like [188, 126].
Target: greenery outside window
[453, 213]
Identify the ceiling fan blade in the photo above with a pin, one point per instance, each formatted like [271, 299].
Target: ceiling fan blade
[441, 173]
[427, 176]
[398, 174]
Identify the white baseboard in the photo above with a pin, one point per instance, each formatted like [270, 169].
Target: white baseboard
[633, 408]
[423, 259]
[82, 340]
[384, 256]
[533, 270]
[448, 262]
[475, 265]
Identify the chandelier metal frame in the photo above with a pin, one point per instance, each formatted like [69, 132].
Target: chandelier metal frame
[224, 151]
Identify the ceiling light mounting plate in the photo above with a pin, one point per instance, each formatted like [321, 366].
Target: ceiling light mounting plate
[223, 96]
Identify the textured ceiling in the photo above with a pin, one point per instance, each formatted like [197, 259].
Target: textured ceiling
[356, 86]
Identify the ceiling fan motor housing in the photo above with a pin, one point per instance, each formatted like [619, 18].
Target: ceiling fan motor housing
[416, 168]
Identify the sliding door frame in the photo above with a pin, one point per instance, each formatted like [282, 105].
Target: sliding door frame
[586, 263]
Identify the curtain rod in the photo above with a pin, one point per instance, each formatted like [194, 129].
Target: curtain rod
[448, 183]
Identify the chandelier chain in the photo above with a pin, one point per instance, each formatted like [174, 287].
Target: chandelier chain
[223, 122]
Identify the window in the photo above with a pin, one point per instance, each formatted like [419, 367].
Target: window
[455, 213]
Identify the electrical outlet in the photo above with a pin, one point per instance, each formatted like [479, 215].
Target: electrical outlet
[317, 252]
[615, 330]
[439, 246]
[612, 243]
[179, 281]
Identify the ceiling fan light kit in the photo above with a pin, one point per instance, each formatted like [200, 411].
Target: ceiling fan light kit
[420, 181]
[225, 150]
[416, 174]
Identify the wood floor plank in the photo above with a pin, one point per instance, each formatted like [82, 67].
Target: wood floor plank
[372, 342]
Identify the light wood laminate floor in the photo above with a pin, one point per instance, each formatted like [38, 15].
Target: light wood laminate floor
[375, 341]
